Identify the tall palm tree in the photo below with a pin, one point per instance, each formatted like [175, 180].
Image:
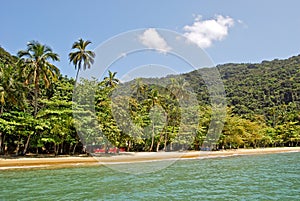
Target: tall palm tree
[36, 66]
[82, 57]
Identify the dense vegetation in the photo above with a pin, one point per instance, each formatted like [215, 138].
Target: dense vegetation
[37, 107]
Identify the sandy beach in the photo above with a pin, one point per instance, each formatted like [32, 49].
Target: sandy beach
[130, 157]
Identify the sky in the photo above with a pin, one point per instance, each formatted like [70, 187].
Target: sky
[228, 31]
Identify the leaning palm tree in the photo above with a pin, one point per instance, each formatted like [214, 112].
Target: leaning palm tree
[82, 57]
[36, 68]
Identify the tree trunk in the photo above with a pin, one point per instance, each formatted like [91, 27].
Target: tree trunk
[18, 146]
[128, 145]
[1, 151]
[5, 149]
[107, 149]
[26, 145]
[77, 73]
[158, 143]
[35, 100]
[17, 149]
[56, 149]
[55, 154]
[166, 140]
[70, 148]
[74, 148]
[36, 91]
[61, 148]
[171, 143]
[152, 140]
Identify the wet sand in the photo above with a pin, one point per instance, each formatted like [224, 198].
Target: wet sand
[130, 157]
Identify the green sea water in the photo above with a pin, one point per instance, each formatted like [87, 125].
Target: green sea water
[260, 177]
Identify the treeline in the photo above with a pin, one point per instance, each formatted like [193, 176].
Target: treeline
[37, 107]
[267, 94]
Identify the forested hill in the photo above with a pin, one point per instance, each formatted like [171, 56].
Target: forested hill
[6, 57]
[263, 108]
[270, 88]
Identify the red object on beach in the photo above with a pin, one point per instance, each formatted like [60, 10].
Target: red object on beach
[113, 150]
[99, 150]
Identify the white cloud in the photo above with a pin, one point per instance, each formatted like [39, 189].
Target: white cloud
[205, 32]
[151, 39]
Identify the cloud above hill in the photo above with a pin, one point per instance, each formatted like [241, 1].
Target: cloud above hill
[205, 32]
[151, 39]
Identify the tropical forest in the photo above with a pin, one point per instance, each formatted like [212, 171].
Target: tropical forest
[37, 114]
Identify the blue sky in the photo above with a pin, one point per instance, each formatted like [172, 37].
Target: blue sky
[260, 30]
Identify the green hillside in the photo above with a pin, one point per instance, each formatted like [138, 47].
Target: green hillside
[270, 88]
[6, 57]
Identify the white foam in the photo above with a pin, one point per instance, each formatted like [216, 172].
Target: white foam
[23, 167]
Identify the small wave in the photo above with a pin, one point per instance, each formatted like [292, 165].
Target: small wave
[139, 161]
[23, 167]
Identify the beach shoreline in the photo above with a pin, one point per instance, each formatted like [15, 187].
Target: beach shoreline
[130, 157]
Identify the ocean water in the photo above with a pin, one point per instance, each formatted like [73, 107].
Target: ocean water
[260, 177]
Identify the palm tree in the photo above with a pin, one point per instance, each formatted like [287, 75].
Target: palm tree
[179, 87]
[36, 67]
[139, 87]
[111, 80]
[82, 57]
